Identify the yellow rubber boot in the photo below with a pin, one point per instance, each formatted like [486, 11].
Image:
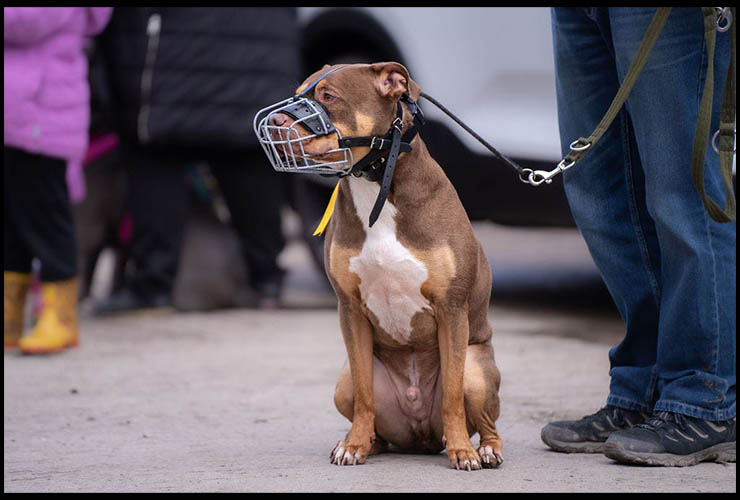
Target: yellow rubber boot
[16, 289]
[56, 329]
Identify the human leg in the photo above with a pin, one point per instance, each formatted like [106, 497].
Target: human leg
[694, 417]
[696, 339]
[41, 226]
[16, 258]
[158, 202]
[254, 194]
[605, 191]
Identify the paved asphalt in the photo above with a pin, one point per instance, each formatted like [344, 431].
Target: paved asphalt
[241, 401]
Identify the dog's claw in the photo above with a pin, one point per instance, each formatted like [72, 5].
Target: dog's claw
[337, 458]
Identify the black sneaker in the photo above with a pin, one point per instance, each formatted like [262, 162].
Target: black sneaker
[673, 440]
[588, 434]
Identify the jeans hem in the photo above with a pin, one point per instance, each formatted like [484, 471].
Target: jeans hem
[696, 411]
[627, 404]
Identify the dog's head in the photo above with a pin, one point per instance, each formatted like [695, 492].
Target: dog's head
[357, 100]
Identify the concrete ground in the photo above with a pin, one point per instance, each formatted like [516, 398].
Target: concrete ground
[241, 401]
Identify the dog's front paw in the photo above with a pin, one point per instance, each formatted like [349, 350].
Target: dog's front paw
[347, 454]
[490, 458]
[463, 458]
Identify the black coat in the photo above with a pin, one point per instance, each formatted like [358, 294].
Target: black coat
[192, 76]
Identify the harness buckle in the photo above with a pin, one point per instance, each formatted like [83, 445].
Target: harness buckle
[375, 140]
[397, 124]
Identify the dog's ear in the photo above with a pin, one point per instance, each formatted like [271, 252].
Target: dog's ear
[392, 79]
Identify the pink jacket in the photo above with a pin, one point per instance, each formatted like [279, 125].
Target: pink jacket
[47, 97]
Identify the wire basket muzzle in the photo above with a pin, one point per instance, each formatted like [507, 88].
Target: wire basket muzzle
[285, 146]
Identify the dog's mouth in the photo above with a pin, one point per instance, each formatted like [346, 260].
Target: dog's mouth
[294, 141]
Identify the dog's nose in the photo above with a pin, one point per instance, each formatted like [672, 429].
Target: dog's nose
[278, 119]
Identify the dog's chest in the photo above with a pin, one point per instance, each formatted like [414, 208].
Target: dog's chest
[390, 276]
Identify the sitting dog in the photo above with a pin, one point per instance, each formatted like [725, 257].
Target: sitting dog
[412, 281]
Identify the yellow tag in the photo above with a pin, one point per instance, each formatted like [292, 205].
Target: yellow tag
[327, 213]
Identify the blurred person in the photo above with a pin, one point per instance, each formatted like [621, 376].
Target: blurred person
[100, 218]
[185, 85]
[669, 267]
[46, 119]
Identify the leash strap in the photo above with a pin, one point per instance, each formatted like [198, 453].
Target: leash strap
[726, 128]
[519, 170]
[580, 146]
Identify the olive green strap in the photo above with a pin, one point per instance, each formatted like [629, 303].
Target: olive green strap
[580, 146]
[726, 130]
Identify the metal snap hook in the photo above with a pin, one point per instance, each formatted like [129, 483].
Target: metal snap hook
[563, 166]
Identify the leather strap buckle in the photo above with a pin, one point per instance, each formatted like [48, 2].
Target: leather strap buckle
[375, 140]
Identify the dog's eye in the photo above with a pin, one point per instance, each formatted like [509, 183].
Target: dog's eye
[326, 96]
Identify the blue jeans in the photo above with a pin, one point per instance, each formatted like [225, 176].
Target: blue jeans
[668, 266]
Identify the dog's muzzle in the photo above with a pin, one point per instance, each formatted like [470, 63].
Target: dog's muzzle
[284, 146]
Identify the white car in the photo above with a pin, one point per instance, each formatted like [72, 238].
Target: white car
[491, 66]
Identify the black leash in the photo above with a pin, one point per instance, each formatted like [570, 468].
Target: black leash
[519, 170]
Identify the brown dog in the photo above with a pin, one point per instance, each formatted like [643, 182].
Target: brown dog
[413, 290]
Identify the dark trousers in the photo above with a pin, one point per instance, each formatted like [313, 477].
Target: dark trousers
[159, 207]
[38, 218]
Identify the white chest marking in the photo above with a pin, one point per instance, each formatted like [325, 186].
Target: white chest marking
[390, 276]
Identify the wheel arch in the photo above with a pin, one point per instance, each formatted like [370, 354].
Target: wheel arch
[338, 31]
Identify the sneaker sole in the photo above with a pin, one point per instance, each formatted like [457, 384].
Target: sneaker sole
[571, 446]
[722, 452]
